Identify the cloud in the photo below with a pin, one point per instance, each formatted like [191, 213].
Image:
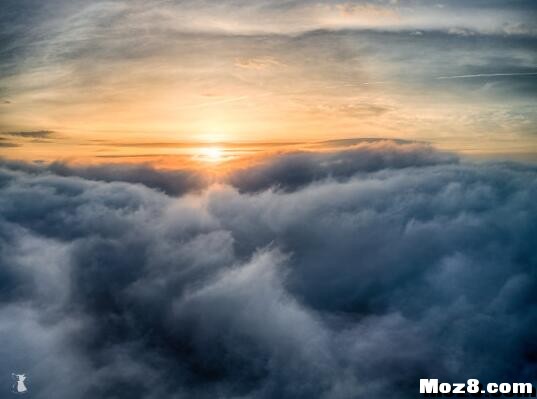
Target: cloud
[7, 144]
[36, 134]
[488, 75]
[296, 58]
[290, 171]
[259, 63]
[405, 265]
[171, 182]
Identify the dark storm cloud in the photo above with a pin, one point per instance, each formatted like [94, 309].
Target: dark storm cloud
[348, 288]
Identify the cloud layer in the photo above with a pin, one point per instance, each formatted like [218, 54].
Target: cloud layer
[290, 171]
[354, 283]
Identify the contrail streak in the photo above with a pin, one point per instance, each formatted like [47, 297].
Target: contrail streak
[487, 75]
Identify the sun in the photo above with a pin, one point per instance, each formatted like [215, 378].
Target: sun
[212, 154]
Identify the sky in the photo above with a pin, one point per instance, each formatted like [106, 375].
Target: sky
[176, 82]
[253, 199]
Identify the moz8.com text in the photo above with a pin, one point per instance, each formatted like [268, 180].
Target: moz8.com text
[432, 388]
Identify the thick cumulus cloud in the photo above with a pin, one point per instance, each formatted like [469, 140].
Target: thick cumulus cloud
[293, 170]
[347, 287]
[171, 182]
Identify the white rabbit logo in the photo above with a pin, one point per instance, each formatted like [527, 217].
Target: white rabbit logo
[19, 386]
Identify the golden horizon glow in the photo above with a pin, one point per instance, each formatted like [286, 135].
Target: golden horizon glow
[211, 154]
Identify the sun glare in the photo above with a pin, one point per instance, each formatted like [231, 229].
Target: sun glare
[212, 154]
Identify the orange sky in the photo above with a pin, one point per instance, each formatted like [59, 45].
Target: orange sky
[170, 83]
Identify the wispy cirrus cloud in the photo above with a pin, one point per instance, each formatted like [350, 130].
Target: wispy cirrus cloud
[7, 144]
[259, 63]
[488, 75]
[317, 70]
